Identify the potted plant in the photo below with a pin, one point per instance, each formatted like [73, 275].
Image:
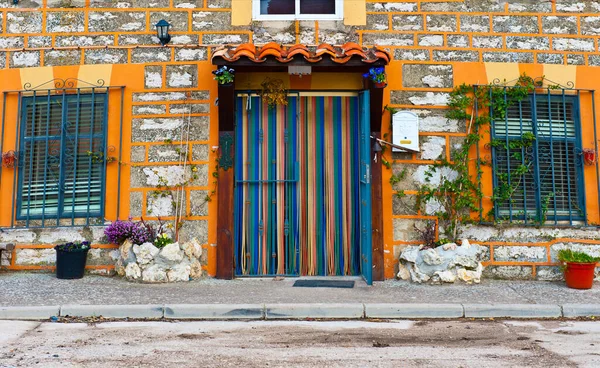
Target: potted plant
[579, 268]
[377, 75]
[70, 259]
[224, 75]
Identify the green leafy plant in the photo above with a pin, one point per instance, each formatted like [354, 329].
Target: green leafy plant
[224, 75]
[162, 240]
[570, 256]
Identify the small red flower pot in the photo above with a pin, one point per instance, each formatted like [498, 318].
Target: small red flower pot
[589, 156]
[580, 275]
[379, 84]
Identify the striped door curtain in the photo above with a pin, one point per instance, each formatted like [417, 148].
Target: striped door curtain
[296, 205]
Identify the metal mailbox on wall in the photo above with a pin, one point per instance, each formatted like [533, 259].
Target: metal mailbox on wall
[405, 130]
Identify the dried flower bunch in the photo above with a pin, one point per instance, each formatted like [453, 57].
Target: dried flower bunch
[73, 246]
[274, 92]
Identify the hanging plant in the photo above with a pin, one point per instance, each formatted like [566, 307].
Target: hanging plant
[224, 75]
[273, 92]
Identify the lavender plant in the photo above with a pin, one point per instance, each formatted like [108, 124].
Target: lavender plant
[136, 232]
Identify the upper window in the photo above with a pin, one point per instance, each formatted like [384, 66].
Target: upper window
[297, 9]
[61, 156]
[537, 160]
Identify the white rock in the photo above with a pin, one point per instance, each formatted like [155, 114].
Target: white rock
[145, 253]
[417, 276]
[449, 246]
[465, 243]
[446, 276]
[470, 276]
[192, 249]
[180, 272]
[403, 272]
[431, 257]
[410, 253]
[132, 271]
[172, 253]
[196, 270]
[126, 248]
[154, 273]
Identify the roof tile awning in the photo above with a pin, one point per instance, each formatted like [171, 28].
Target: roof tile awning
[273, 51]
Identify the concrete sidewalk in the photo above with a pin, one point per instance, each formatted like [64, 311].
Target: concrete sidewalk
[41, 295]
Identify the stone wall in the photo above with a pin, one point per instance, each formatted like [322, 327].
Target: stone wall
[430, 40]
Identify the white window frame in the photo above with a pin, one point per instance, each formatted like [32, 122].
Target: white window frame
[339, 13]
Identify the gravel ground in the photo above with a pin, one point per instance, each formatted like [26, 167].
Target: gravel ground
[301, 344]
[21, 288]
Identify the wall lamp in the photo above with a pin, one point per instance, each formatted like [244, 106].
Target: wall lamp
[162, 32]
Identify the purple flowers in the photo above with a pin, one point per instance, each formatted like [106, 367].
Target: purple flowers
[377, 75]
[119, 231]
[73, 246]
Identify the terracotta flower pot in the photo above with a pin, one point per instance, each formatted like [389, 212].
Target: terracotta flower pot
[379, 84]
[580, 275]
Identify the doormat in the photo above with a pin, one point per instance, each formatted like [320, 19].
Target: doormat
[344, 284]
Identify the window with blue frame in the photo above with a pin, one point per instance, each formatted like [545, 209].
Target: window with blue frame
[537, 158]
[61, 156]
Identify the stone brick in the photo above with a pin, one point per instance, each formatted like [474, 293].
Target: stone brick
[108, 56]
[161, 129]
[457, 41]
[188, 4]
[195, 54]
[163, 96]
[35, 257]
[191, 108]
[336, 33]
[559, 25]
[432, 148]
[545, 58]
[465, 56]
[177, 19]
[150, 55]
[590, 25]
[199, 152]
[138, 153]
[198, 202]
[404, 229]
[116, 21]
[99, 40]
[11, 43]
[404, 205]
[282, 32]
[435, 120]
[573, 44]
[378, 22]
[441, 23]
[224, 39]
[194, 229]
[443, 6]
[508, 272]
[591, 249]
[307, 32]
[548, 273]
[520, 254]
[166, 153]
[153, 76]
[527, 43]
[515, 24]
[487, 42]
[62, 57]
[184, 39]
[407, 22]
[24, 59]
[65, 22]
[24, 22]
[387, 39]
[121, 4]
[39, 41]
[149, 109]
[419, 98]
[411, 54]
[427, 75]
[181, 76]
[211, 21]
[431, 40]
[135, 204]
[384, 7]
[219, 4]
[528, 6]
[474, 23]
[575, 59]
[575, 6]
[508, 57]
[65, 3]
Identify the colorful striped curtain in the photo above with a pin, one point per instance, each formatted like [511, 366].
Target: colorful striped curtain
[296, 205]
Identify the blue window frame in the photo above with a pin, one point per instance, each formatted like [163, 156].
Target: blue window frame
[62, 152]
[540, 135]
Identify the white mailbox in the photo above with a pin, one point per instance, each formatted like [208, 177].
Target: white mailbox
[405, 130]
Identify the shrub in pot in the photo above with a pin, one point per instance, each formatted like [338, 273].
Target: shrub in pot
[70, 259]
[579, 268]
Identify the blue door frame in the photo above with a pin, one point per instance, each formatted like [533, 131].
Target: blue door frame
[366, 245]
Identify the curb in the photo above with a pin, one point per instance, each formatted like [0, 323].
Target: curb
[302, 311]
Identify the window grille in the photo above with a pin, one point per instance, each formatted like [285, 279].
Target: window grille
[62, 156]
[539, 136]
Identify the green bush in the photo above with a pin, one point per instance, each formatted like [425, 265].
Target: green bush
[567, 255]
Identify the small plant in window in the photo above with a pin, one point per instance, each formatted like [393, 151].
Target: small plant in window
[377, 75]
[224, 75]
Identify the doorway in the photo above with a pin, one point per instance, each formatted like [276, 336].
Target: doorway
[302, 186]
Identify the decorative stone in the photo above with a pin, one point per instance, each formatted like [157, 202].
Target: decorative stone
[410, 254]
[470, 276]
[465, 243]
[126, 248]
[446, 276]
[132, 271]
[120, 268]
[180, 272]
[172, 253]
[196, 270]
[192, 249]
[431, 257]
[403, 272]
[145, 253]
[449, 246]
[154, 273]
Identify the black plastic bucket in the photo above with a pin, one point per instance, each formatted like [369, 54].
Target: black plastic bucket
[70, 265]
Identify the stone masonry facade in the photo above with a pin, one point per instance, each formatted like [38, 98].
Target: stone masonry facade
[429, 40]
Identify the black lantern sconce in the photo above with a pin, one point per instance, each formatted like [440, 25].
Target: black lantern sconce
[162, 32]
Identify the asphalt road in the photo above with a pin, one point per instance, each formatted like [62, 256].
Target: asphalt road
[462, 343]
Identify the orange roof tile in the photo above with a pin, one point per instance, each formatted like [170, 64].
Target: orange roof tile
[338, 54]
